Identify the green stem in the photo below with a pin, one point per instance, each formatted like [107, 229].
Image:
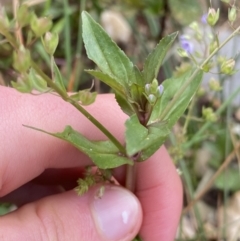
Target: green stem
[79, 107]
[64, 95]
[188, 116]
[67, 36]
[98, 125]
[131, 177]
[194, 74]
[9, 37]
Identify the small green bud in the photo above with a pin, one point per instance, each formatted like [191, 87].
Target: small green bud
[50, 42]
[147, 89]
[209, 115]
[152, 99]
[23, 15]
[194, 25]
[160, 90]
[214, 85]
[22, 59]
[232, 14]
[228, 66]
[201, 91]
[4, 21]
[86, 97]
[213, 16]
[206, 67]
[40, 25]
[182, 53]
[154, 86]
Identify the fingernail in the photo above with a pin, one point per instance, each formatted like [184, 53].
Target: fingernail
[116, 213]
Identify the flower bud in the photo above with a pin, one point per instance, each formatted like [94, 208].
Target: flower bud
[213, 16]
[160, 90]
[182, 53]
[206, 67]
[232, 14]
[209, 115]
[152, 99]
[4, 21]
[23, 15]
[21, 59]
[50, 42]
[194, 26]
[147, 88]
[201, 92]
[40, 25]
[154, 85]
[214, 85]
[228, 66]
[86, 97]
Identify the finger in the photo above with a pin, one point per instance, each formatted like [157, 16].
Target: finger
[160, 192]
[51, 181]
[25, 153]
[115, 216]
[30, 192]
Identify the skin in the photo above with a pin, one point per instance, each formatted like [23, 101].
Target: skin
[33, 165]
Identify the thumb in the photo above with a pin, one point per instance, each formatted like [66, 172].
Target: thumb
[114, 216]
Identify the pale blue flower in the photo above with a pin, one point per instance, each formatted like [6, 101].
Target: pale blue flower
[186, 44]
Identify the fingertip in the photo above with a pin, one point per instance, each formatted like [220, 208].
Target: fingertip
[117, 214]
[159, 190]
[114, 216]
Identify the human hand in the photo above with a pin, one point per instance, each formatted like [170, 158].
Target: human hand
[33, 165]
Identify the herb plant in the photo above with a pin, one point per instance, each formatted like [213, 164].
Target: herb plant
[153, 108]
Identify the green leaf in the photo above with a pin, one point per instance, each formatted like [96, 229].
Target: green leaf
[142, 139]
[136, 92]
[110, 59]
[108, 80]
[57, 76]
[229, 179]
[158, 134]
[103, 153]
[124, 104]
[171, 86]
[155, 58]
[120, 95]
[137, 77]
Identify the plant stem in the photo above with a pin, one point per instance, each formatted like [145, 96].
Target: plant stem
[67, 36]
[8, 36]
[188, 115]
[194, 74]
[98, 125]
[64, 95]
[79, 107]
[131, 177]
